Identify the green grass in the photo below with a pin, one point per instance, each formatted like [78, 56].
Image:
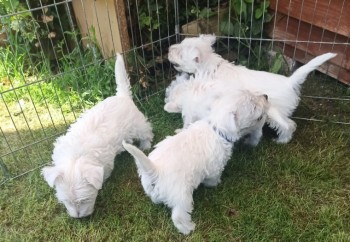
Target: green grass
[298, 191]
[66, 83]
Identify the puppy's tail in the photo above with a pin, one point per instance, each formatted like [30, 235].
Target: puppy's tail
[142, 161]
[121, 77]
[300, 74]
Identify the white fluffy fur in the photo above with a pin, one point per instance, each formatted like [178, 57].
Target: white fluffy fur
[196, 97]
[196, 155]
[83, 158]
[195, 55]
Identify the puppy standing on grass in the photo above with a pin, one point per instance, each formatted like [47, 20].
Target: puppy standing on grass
[195, 55]
[83, 158]
[196, 155]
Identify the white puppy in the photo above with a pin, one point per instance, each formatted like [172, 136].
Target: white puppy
[196, 155]
[195, 55]
[196, 97]
[83, 158]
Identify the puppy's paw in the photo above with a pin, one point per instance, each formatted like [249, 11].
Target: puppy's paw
[185, 227]
[251, 141]
[211, 182]
[182, 220]
[282, 140]
[172, 107]
[145, 144]
[286, 135]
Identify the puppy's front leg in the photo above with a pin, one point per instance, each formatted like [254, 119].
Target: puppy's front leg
[187, 119]
[182, 219]
[254, 137]
[212, 181]
[143, 133]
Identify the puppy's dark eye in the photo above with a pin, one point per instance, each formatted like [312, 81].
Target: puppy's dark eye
[260, 118]
[176, 65]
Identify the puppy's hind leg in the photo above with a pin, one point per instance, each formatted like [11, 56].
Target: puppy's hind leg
[181, 216]
[285, 135]
[284, 126]
[144, 134]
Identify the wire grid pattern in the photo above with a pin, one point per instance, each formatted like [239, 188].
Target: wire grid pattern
[30, 124]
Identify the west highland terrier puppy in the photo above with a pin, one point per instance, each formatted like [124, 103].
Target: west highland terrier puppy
[83, 158]
[196, 55]
[195, 98]
[197, 154]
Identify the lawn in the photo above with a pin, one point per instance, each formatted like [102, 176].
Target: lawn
[299, 191]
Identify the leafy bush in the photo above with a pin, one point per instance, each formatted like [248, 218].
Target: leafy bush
[36, 66]
[82, 78]
[247, 18]
[246, 22]
[21, 25]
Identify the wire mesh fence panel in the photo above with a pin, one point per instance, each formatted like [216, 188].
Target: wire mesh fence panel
[57, 58]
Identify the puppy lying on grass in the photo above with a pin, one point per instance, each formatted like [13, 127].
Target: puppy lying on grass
[197, 154]
[83, 158]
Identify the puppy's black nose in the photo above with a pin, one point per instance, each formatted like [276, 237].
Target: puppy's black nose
[266, 97]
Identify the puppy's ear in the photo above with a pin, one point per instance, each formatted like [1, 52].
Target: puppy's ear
[226, 125]
[231, 125]
[175, 52]
[51, 174]
[196, 55]
[94, 175]
[171, 107]
[209, 38]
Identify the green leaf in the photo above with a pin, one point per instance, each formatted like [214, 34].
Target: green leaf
[258, 13]
[265, 5]
[145, 20]
[226, 27]
[277, 63]
[155, 25]
[206, 13]
[240, 8]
